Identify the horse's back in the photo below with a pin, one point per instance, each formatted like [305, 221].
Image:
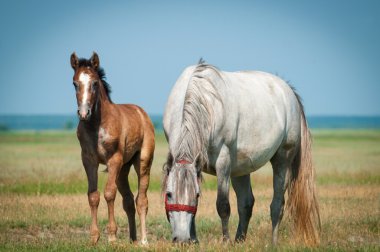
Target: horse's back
[135, 116]
[258, 112]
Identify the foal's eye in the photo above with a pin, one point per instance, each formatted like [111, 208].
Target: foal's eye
[75, 86]
[94, 85]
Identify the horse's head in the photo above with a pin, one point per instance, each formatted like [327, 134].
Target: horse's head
[181, 187]
[86, 82]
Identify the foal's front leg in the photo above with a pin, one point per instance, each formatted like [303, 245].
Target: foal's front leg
[113, 165]
[91, 168]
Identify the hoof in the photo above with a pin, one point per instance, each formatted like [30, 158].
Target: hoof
[144, 242]
[95, 238]
[240, 239]
[112, 238]
[226, 239]
[134, 242]
[194, 241]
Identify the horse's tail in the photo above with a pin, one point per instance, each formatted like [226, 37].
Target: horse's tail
[302, 199]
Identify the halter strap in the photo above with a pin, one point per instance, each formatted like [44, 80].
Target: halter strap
[178, 207]
[183, 161]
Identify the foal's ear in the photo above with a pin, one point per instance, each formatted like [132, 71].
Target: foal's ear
[95, 60]
[74, 61]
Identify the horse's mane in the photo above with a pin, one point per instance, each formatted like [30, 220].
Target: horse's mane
[101, 73]
[198, 114]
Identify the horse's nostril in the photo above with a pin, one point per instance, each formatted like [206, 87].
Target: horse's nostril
[88, 112]
[78, 112]
[175, 239]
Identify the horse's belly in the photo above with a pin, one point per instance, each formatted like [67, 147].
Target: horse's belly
[248, 162]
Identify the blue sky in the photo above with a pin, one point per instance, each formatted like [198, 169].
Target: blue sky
[328, 50]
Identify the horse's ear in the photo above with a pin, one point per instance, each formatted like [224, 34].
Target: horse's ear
[169, 162]
[95, 60]
[170, 158]
[197, 162]
[74, 61]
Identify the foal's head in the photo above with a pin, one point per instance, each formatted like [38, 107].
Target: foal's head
[87, 81]
[181, 188]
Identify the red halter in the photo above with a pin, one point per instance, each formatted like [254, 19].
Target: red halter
[179, 207]
[183, 161]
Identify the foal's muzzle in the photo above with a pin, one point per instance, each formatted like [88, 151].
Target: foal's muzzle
[84, 113]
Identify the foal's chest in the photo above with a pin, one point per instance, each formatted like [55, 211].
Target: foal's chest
[106, 144]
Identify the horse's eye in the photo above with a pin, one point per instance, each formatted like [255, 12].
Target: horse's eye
[168, 195]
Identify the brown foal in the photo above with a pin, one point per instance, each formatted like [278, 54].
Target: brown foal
[117, 136]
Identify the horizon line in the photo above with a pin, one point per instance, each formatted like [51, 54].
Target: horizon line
[161, 114]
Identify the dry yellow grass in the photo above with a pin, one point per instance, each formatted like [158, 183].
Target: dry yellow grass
[350, 219]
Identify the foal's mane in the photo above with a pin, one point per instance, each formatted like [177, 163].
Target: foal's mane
[198, 114]
[101, 73]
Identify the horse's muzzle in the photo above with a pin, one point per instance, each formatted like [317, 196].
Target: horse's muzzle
[177, 239]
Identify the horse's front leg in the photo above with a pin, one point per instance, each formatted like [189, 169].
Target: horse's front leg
[91, 167]
[113, 165]
[223, 170]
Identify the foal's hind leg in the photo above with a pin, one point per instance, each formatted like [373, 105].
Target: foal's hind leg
[281, 163]
[245, 201]
[128, 199]
[142, 166]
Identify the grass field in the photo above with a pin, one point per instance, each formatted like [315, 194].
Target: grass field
[43, 201]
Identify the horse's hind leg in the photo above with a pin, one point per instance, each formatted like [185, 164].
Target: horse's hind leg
[91, 168]
[245, 201]
[142, 166]
[128, 199]
[281, 163]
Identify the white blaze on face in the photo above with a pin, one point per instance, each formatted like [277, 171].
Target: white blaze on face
[85, 81]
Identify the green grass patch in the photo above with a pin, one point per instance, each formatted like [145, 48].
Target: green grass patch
[48, 162]
[49, 188]
[360, 178]
[68, 187]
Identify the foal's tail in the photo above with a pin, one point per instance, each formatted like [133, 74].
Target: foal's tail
[302, 199]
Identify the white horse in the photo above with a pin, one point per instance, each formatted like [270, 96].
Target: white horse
[230, 124]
